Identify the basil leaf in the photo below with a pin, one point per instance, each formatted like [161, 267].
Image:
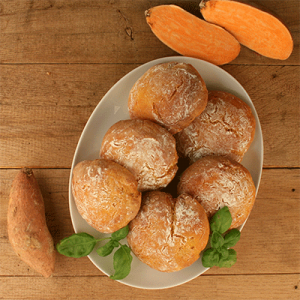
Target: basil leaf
[122, 263]
[120, 234]
[229, 261]
[210, 258]
[216, 240]
[107, 248]
[221, 220]
[115, 243]
[77, 245]
[231, 238]
[223, 251]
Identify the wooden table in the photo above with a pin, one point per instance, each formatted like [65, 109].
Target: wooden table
[57, 60]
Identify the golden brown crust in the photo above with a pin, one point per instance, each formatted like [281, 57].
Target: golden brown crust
[168, 234]
[105, 194]
[226, 127]
[171, 94]
[26, 224]
[144, 148]
[217, 181]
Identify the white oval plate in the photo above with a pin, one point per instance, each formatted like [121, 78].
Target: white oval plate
[112, 108]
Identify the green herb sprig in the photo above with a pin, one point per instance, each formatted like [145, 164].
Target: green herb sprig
[82, 244]
[219, 254]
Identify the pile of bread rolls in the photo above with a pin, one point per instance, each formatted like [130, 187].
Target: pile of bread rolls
[172, 115]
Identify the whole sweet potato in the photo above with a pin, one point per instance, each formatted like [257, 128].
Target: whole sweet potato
[27, 229]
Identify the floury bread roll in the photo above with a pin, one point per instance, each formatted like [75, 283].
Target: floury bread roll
[145, 149]
[168, 234]
[105, 194]
[171, 94]
[226, 127]
[217, 181]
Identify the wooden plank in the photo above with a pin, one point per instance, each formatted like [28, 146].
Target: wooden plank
[46, 107]
[47, 128]
[79, 85]
[275, 92]
[105, 31]
[270, 241]
[203, 287]
[57, 60]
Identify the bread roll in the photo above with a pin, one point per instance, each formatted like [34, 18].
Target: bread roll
[171, 94]
[217, 181]
[144, 148]
[168, 234]
[105, 194]
[226, 127]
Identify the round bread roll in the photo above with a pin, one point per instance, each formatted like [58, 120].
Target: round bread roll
[105, 194]
[217, 181]
[226, 127]
[144, 148]
[171, 94]
[168, 234]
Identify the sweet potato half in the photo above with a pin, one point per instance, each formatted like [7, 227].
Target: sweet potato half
[251, 26]
[26, 223]
[191, 36]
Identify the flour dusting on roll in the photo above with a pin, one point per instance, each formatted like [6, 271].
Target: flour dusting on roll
[226, 127]
[105, 194]
[144, 148]
[171, 94]
[168, 234]
[217, 181]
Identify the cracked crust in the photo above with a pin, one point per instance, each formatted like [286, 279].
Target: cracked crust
[168, 234]
[145, 149]
[217, 181]
[226, 127]
[171, 94]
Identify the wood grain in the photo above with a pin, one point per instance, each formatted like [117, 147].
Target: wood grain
[58, 58]
[270, 242]
[78, 31]
[46, 107]
[204, 287]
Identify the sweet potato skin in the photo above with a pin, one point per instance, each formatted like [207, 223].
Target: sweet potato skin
[192, 36]
[252, 25]
[26, 224]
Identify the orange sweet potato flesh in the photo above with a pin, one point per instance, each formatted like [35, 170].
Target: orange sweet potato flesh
[191, 36]
[253, 27]
[26, 223]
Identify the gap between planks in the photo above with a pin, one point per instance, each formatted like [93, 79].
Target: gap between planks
[139, 63]
[105, 276]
